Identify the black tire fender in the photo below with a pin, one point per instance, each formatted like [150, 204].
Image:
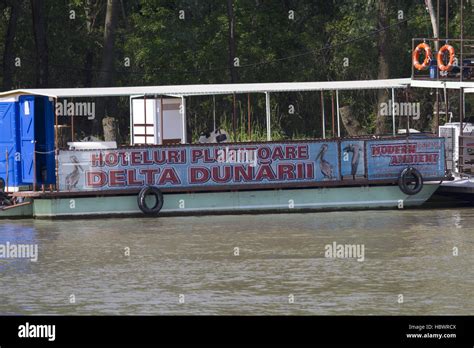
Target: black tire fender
[407, 175]
[150, 190]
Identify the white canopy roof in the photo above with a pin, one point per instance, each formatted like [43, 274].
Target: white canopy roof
[239, 88]
[443, 84]
[189, 90]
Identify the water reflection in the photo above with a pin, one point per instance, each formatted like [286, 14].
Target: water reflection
[12, 235]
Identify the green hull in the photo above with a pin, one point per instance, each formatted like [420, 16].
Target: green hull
[312, 199]
[24, 211]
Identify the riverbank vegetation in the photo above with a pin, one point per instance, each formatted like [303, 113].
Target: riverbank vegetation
[87, 43]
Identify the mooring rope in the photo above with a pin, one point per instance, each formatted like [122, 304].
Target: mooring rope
[45, 153]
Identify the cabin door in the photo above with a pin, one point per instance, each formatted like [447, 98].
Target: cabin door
[8, 144]
[27, 138]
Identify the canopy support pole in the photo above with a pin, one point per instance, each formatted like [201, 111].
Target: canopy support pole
[56, 143]
[437, 110]
[323, 121]
[34, 165]
[249, 126]
[446, 103]
[408, 116]
[183, 117]
[393, 111]
[338, 115]
[213, 110]
[162, 138]
[144, 117]
[7, 169]
[267, 107]
[461, 139]
[234, 117]
[131, 119]
[72, 123]
[332, 115]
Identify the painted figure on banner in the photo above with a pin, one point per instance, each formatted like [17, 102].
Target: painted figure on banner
[73, 178]
[355, 149]
[325, 166]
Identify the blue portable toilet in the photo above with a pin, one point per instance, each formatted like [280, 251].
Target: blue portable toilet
[26, 140]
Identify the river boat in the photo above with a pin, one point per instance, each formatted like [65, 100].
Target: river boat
[160, 172]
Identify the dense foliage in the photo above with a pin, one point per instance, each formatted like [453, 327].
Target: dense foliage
[161, 42]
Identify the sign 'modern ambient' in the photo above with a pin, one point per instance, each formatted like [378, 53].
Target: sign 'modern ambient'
[384, 157]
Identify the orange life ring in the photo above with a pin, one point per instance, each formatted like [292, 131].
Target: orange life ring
[441, 64]
[416, 56]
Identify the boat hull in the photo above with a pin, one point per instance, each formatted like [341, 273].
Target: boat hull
[460, 189]
[258, 201]
[20, 212]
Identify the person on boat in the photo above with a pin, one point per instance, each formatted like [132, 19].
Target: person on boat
[4, 199]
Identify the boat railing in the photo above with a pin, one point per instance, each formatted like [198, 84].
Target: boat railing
[462, 67]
